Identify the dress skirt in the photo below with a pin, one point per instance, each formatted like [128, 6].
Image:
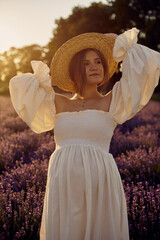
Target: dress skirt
[84, 198]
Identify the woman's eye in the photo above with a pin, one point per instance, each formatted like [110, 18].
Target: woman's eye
[96, 62]
[99, 62]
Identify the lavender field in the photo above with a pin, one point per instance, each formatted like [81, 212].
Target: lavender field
[24, 158]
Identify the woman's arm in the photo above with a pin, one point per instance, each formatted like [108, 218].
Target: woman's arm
[33, 97]
[140, 76]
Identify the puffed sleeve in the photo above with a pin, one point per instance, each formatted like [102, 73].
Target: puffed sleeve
[32, 97]
[140, 76]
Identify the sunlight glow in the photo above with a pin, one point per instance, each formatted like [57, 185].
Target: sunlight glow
[32, 22]
[8, 36]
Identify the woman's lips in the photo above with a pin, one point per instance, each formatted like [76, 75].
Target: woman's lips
[94, 74]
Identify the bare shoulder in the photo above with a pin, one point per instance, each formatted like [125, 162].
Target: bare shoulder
[60, 100]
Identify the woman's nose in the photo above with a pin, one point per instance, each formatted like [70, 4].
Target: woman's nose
[93, 66]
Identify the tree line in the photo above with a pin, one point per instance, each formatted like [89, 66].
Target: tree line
[114, 16]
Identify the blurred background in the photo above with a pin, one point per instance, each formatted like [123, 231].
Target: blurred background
[34, 30]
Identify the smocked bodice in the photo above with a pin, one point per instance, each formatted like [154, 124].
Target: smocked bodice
[94, 127]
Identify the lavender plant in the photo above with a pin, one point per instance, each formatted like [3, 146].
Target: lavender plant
[24, 158]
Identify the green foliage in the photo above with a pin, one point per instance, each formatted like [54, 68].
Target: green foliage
[95, 18]
[17, 60]
[143, 14]
[114, 16]
[156, 97]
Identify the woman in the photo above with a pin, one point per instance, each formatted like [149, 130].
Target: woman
[87, 70]
[84, 196]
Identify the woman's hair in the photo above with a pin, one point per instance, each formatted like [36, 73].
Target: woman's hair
[77, 69]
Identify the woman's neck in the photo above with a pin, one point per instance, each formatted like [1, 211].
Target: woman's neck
[89, 94]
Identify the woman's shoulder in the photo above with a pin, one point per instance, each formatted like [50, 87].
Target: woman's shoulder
[61, 100]
[68, 102]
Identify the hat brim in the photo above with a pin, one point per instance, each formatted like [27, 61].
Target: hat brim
[60, 62]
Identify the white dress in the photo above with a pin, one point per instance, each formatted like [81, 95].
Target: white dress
[84, 198]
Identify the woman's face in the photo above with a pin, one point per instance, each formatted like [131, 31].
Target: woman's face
[93, 68]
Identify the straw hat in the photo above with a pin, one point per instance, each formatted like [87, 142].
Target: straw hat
[60, 63]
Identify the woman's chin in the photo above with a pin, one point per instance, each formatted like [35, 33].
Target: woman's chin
[96, 82]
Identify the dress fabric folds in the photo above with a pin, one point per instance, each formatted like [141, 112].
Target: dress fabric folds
[84, 198]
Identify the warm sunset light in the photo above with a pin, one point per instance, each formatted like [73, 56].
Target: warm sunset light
[9, 37]
[28, 22]
[79, 120]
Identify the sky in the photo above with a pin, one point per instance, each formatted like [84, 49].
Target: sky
[26, 22]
